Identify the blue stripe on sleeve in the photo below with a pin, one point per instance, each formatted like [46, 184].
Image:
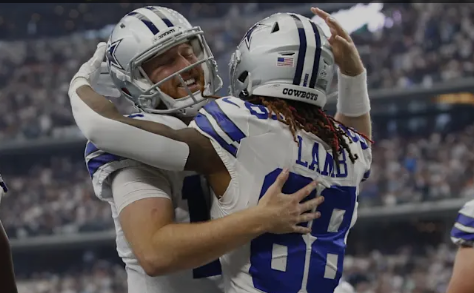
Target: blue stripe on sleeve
[366, 175]
[95, 163]
[457, 233]
[465, 220]
[135, 115]
[90, 148]
[224, 122]
[205, 125]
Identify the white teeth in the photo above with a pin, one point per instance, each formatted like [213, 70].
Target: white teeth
[190, 81]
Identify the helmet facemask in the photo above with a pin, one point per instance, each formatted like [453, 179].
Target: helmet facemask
[149, 93]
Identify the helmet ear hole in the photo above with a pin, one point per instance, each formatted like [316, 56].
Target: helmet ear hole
[275, 28]
[243, 76]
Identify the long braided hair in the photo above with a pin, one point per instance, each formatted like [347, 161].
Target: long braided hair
[312, 119]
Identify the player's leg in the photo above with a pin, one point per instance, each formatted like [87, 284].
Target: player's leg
[7, 275]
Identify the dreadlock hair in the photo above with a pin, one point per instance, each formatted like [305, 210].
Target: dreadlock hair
[312, 119]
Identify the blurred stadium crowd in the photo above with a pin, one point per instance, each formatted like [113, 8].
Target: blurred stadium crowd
[416, 49]
[422, 44]
[403, 272]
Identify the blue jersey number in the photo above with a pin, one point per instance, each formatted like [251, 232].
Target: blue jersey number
[294, 263]
[199, 212]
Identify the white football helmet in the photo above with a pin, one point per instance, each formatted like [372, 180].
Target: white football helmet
[285, 56]
[145, 33]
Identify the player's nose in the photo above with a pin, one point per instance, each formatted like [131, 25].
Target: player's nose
[183, 62]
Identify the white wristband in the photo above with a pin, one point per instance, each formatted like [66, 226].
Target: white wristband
[353, 95]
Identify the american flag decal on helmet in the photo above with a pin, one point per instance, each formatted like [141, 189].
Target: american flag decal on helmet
[285, 61]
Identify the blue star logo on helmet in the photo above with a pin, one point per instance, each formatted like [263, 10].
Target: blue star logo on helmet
[111, 50]
[248, 35]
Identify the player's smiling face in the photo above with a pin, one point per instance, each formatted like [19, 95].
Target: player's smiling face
[170, 62]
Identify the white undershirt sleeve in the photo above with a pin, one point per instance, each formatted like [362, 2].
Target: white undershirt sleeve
[127, 141]
[132, 184]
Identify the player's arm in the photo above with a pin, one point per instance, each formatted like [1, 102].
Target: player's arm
[462, 234]
[99, 121]
[202, 157]
[353, 104]
[463, 266]
[95, 115]
[136, 139]
[147, 218]
[7, 274]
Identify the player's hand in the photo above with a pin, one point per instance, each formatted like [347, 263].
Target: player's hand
[90, 70]
[104, 85]
[283, 212]
[345, 52]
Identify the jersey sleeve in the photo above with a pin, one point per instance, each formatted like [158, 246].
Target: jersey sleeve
[135, 183]
[364, 150]
[101, 165]
[344, 287]
[227, 121]
[462, 232]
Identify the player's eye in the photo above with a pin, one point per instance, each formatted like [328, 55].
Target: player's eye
[189, 56]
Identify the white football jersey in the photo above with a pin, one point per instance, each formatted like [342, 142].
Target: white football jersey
[255, 148]
[190, 200]
[462, 232]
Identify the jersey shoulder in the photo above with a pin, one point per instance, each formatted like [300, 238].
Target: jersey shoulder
[462, 232]
[229, 120]
[100, 164]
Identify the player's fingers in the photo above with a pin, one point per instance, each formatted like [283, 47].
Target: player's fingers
[306, 217]
[321, 13]
[342, 41]
[332, 38]
[305, 191]
[99, 54]
[301, 230]
[311, 204]
[280, 180]
[334, 24]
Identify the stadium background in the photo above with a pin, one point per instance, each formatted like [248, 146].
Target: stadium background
[420, 66]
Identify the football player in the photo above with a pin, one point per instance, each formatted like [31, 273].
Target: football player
[281, 73]
[462, 234]
[162, 64]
